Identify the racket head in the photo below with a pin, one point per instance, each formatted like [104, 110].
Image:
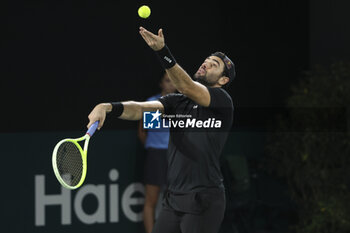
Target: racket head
[69, 163]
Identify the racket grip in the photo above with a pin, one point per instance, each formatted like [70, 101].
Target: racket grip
[92, 128]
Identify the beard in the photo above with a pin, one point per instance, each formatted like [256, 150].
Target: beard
[203, 80]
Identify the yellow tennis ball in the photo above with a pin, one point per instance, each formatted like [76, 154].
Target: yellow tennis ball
[144, 11]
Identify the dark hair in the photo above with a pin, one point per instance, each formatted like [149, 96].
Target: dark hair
[229, 70]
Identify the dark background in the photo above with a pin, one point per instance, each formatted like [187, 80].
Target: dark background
[60, 58]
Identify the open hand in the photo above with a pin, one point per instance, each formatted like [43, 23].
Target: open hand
[156, 42]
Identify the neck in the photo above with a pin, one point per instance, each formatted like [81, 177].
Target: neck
[214, 85]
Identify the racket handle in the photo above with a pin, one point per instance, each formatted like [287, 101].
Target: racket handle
[92, 128]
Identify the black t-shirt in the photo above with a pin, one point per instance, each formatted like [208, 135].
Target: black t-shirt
[194, 152]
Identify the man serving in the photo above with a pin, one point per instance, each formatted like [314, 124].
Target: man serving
[195, 199]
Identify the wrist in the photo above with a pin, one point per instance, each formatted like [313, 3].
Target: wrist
[117, 108]
[107, 107]
[165, 57]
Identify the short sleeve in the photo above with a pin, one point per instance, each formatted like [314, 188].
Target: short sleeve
[219, 98]
[170, 101]
[221, 105]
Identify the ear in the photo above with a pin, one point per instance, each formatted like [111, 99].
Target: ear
[223, 80]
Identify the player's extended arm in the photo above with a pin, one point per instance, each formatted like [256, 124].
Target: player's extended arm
[179, 77]
[193, 90]
[132, 110]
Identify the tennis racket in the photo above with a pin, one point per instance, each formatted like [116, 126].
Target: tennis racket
[69, 159]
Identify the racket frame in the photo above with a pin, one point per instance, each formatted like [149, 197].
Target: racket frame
[83, 153]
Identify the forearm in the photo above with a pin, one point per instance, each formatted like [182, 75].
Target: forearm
[126, 110]
[180, 79]
[178, 76]
[132, 111]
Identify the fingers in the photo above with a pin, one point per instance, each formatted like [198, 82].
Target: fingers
[100, 124]
[156, 42]
[147, 34]
[145, 38]
[160, 33]
[89, 124]
[97, 114]
[91, 121]
[144, 30]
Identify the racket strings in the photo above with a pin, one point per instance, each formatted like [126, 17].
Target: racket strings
[69, 163]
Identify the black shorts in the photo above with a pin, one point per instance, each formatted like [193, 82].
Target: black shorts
[200, 212]
[156, 167]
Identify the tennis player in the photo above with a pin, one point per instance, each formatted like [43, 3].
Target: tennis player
[195, 197]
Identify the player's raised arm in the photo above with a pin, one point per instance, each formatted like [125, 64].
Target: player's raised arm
[179, 77]
[126, 110]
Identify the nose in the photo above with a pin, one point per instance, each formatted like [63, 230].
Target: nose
[208, 64]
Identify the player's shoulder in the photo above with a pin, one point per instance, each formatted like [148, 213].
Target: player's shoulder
[173, 95]
[221, 92]
[172, 98]
[227, 95]
[219, 97]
